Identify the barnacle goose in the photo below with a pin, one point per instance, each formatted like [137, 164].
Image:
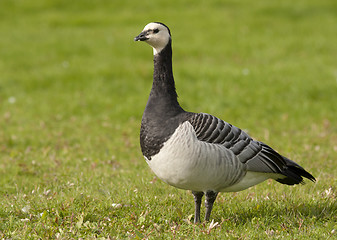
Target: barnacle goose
[197, 151]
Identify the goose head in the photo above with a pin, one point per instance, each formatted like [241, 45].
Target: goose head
[156, 34]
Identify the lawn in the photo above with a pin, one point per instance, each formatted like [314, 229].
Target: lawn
[73, 86]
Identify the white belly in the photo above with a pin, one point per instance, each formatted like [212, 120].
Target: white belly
[187, 163]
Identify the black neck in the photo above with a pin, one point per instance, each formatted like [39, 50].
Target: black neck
[163, 102]
[163, 81]
[162, 114]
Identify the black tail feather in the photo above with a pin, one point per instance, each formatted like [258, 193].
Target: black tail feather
[294, 173]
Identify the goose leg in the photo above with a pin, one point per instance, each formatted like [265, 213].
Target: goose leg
[197, 201]
[210, 198]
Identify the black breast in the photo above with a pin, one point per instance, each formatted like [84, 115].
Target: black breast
[157, 128]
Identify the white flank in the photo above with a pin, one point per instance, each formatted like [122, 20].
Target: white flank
[249, 180]
[187, 163]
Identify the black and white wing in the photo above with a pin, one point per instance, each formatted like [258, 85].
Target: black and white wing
[257, 156]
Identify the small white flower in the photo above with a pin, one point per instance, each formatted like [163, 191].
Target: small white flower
[116, 205]
[245, 71]
[25, 209]
[47, 192]
[65, 64]
[11, 100]
[328, 191]
[212, 225]
[70, 184]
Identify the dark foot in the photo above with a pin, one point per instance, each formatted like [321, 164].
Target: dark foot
[210, 198]
[197, 200]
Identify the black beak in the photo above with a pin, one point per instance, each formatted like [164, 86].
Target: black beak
[141, 37]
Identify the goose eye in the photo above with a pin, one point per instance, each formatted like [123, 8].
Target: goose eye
[156, 30]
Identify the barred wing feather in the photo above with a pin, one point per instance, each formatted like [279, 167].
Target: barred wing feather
[257, 156]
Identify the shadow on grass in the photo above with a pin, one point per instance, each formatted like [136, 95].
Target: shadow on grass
[322, 211]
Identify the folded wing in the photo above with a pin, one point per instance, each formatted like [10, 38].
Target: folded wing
[257, 156]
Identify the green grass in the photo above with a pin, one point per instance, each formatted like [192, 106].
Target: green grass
[73, 86]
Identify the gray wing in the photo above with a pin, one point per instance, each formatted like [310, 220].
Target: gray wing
[257, 156]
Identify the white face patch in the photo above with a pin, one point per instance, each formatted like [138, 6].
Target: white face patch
[158, 36]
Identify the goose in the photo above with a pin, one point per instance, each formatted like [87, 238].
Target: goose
[198, 151]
